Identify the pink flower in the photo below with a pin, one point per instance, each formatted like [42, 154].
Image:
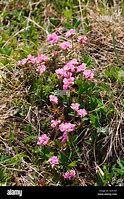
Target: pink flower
[30, 57]
[66, 127]
[68, 82]
[69, 33]
[32, 60]
[53, 38]
[45, 58]
[53, 99]
[54, 123]
[65, 45]
[65, 86]
[88, 74]
[53, 161]
[43, 140]
[41, 58]
[19, 63]
[69, 67]
[81, 68]
[41, 69]
[60, 73]
[67, 74]
[82, 40]
[22, 62]
[82, 112]
[69, 175]
[74, 61]
[75, 106]
[64, 138]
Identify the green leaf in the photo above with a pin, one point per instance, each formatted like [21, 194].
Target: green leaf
[112, 73]
[73, 164]
[49, 155]
[92, 103]
[68, 13]
[54, 21]
[68, 25]
[5, 51]
[63, 158]
[76, 23]
[94, 120]
[119, 171]
[89, 61]
[121, 164]
[29, 139]
[121, 76]
[28, 128]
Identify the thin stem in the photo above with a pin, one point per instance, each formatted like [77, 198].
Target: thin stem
[82, 21]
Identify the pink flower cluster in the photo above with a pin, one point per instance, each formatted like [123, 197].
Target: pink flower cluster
[88, 74]
[30, 59]
[75, 106]
[43, 140]
[40, 60]
[63, 127]
[68, 82]
[61, 72]
[80, 112]
[53, 99]
[81, 67]
[66, 127]
[65, 45]
[70, 33]
[53, 38]
[41, 69]
[53, 161]
[70, 66]
[66, 73]
[55, 123]
[33, 60]
[67, 70]
[69, 175]
[64, 138]
[82, 40]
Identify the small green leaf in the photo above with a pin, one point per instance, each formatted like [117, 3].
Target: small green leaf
[63, 158]
[94, 120]
[68, 25]
[68, 13]
[54, 21]
[76, 23]
[73, 164]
